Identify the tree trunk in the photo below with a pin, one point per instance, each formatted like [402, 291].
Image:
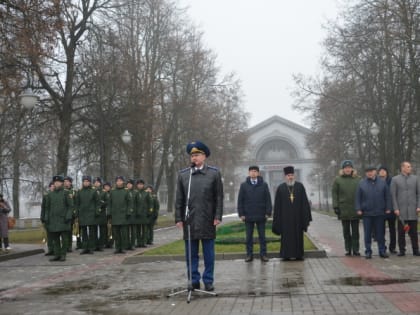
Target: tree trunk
[63, 146]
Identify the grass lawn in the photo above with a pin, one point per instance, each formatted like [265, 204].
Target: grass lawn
[27, 236]
[230, 239]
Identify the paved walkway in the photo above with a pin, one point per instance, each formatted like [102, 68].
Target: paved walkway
[101, 284]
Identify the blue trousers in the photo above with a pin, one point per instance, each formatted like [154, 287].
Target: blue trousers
[249, 227]
[208, 254]
[374, 223]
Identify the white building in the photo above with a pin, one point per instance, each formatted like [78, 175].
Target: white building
[274, 144]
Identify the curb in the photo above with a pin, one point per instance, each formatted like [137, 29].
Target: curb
[25, 253]
[140, 258]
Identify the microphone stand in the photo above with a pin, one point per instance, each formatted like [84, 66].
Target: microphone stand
[190, 288]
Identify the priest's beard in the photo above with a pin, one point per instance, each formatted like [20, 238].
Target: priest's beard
[291, 183]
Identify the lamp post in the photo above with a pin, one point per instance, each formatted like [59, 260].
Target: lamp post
[374, 131]
[318, 178]
[126, 137]
[333, 164]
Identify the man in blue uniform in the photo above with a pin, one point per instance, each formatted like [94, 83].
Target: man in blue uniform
[205, 208]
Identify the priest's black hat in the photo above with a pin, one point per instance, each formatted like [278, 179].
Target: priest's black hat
[289, 170]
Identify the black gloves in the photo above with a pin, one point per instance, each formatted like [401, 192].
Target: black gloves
[337, 211]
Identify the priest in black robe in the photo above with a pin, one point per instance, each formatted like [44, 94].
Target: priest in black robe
[291, 216]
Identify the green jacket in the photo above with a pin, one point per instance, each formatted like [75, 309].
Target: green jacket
[87, 201]
[58, 210]
[73, 193]
[120, 206]
[131, 219]
[43, 207]
[154, 209]
[103, 203]
[344, 195]
[142, 203]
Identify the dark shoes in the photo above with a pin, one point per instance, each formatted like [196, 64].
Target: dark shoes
[401, 254]
[264, 258]
[416, 253]
[368, 256]
[49, 254]
[119, 251]
[248, 258]
[196, 286]
[56, 258]
[208, 287]
[384, 255]
[348, 253]
[86, 251]
[356, 253]
[392, 251]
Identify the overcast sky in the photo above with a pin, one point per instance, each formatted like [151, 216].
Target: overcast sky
[265, 42]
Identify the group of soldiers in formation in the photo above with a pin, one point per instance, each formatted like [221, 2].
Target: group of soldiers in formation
[98, 214]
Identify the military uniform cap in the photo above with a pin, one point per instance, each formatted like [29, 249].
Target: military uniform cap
[197, 147]
[120, 177]
[87, 177]
[98, 179]
[150, 186]
[131, 181]
[107, 184]
[58, 178]
[140, 181]
[69, 178]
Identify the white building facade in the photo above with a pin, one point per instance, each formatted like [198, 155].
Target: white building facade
[274, 144]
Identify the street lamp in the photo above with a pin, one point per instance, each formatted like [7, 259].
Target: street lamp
[28, 99]
[126, 137]
[170, 158]
[374, 129]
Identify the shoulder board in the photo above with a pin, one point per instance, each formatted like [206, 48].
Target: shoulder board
[214, 168]
[185, 170]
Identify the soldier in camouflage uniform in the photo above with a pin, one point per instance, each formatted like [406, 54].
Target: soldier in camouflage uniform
[152, 214]
[132, 219]
[68, 184]
[87, 201]
[120, 209]
[142, 202]
[58, 215]
[50, 245]
[101, 218]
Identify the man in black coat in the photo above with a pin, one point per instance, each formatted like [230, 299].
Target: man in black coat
[291, 217]
[205, 209]
[254, 207]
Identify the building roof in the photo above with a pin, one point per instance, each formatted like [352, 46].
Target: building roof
[281, 121]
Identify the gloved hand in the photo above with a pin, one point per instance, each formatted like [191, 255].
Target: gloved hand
[337, 211]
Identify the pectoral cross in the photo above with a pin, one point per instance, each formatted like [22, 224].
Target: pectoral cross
[292, 197]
